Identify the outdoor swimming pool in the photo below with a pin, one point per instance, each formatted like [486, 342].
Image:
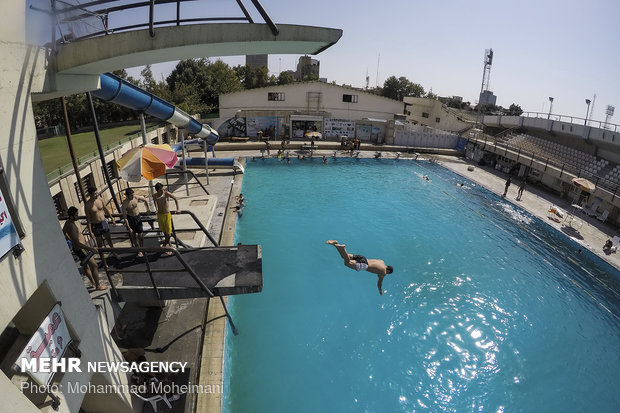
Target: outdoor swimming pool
[488, 309]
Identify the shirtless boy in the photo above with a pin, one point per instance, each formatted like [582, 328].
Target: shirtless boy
[96, 212]
[164, 218]
[131, 215]
[361, 263]
[73, 234]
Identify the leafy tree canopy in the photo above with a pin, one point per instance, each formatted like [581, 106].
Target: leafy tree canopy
[398, 88]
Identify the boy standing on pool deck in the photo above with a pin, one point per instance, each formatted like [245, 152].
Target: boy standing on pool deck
[164, 219]
[361, 263]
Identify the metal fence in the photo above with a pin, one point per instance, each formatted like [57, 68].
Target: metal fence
[498, 147]
[89, 157]
[81, 19]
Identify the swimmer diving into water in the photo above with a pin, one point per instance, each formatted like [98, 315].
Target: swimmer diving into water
[361, 263]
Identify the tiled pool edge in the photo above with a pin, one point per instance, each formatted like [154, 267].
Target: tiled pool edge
[213, 346]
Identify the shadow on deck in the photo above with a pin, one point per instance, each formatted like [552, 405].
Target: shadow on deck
[185, 273]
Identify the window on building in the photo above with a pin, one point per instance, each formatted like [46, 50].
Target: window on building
[164, 137]
[425, 114]
[349, 98]
[275, 96]
[87, 181]
[437, 120]
[111, 169]
[60, 204]
[155, 141]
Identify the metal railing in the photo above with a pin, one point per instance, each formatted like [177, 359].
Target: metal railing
[186, 268]
[77, 20]
[186, 172]
[92, 156]
[573, 120]
[572, 168]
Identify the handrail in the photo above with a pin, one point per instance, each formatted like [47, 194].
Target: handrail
[572, 120]
[87, 158]
[150, 213]
[184, 173]
[601, 182]
[69, 16]
[186, 267]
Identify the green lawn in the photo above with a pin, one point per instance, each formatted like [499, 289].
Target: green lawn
[55, 151]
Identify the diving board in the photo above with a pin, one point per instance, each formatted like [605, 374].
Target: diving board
[223, 270]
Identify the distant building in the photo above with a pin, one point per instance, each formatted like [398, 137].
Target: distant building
[257, 60]
[435, 114]
[487, 98]
[294, 109]
[307, 66]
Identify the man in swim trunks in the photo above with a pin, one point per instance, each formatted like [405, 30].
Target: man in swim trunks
[96, 212]
[131, 215]
[164, 219]
[361, 263]
[73, 234]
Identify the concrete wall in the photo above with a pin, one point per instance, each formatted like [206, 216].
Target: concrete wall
[45, 272]
[600, 142]
[424, 137]
[448, 121]
[325, 99]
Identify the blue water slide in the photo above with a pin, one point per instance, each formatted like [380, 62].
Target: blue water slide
[119, 91]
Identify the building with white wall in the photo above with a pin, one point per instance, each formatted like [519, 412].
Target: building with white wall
[293, 109]
[432, 113]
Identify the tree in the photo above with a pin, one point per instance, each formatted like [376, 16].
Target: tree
[310, 77]
[148, 82]
[196, 84]
[430, 95]
[285, 78]
[261, 75]
[514, 110]
[245, 74]
[397, 89]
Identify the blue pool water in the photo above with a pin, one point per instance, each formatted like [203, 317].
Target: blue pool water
[488, 309]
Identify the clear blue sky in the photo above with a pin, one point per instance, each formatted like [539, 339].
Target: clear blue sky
[567, 49]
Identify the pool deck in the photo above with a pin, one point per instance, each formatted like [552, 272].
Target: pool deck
[220, 221]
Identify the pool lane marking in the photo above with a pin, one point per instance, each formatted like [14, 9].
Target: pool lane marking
[532, 250]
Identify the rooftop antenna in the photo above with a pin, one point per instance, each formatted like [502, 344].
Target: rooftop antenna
[609, 112]
[486, 74]
[378, 59]
[367, 79]
[591, 108]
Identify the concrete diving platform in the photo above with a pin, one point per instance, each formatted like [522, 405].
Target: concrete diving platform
[186, 273]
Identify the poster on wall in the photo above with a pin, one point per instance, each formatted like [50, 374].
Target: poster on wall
[8, 234]
[49, 342]
[265, 124]
[335, 128]
[363, 132]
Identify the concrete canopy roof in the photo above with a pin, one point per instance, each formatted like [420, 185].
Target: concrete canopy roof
[137, 48]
